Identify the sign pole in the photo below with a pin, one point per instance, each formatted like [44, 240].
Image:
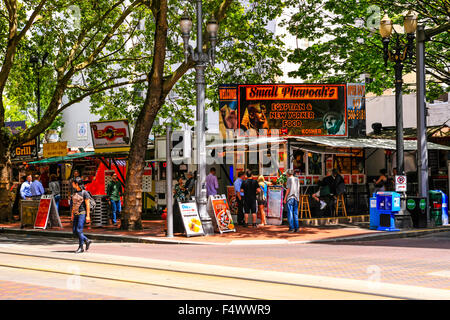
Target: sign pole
[169, 184]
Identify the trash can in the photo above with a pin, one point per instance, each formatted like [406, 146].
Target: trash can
[374, 215]
[388, 205]
[436, 206]
[417, 207]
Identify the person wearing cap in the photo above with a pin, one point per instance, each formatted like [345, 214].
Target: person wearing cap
[114, 192]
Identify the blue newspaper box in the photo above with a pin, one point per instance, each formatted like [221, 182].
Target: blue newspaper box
[388, 204]
[374, 215]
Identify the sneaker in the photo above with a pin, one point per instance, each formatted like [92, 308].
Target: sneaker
[291, 230]
[323, 204]
[254, 225]
[296, 230]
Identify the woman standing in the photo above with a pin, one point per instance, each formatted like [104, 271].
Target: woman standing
[180, 191]
[55, 190]
[81, 212]
[262, 199]
[381, 182]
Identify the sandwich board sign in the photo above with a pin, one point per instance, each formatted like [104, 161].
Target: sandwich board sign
[191, 219]
[218, 207]
[275, 205]
[47, 213]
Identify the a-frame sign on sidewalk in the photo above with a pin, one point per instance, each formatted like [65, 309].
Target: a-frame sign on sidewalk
[47, 214]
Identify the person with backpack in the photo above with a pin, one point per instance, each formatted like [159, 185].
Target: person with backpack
[81, 209]
[250, 188]
[262, 199]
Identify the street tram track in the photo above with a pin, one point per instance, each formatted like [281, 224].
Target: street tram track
[172, 273]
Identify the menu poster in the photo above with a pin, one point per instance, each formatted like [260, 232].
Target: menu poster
[191, 219]
[218, 206]
[47, 214]
[231, 196]
[275, 205]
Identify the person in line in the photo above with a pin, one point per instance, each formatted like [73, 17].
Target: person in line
[114, 192]
[212, 184]
[180, 191]
[381, 183]
[240, 197]
[250, 188]
[55, 189]
[25, 188]
[37, 190]
[190, 185]
[81, 212]
[262, 199]
[291, 198]
[15, 208]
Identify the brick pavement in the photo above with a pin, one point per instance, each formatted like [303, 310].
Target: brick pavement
[156, 228]
[20, 291]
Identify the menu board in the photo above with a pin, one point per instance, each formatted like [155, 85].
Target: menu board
[232, 201]
[218, 207]
[47, 213]
[191, 219]
[275, 205]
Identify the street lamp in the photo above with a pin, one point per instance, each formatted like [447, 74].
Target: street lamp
[38, 63]
[399, 54]
[201, 60]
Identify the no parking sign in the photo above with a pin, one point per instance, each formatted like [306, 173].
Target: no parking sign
[400, 183]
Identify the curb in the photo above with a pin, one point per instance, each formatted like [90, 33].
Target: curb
[386, 235]
[152, 240]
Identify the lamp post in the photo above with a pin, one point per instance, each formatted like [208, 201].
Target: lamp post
[38, 63]
[399, 53]
[201, 60]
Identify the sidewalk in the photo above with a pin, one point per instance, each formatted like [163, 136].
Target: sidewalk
[154, 232]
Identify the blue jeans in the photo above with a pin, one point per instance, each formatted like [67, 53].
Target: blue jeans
[116, 208]
[292, 214]
[57, 198]
[77, 227]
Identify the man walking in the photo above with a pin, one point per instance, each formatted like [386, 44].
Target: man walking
[212, 184]
[291, 198]
[114, 191]
[25, 188]
[37, 190]
[239, 197]
[250, 188]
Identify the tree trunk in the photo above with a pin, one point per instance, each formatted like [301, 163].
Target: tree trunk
[154, 100]
[6, 200]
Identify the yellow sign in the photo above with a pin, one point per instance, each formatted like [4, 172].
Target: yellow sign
[56, 149]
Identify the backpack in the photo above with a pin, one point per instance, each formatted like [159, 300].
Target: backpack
[92, 203]
[261, 197]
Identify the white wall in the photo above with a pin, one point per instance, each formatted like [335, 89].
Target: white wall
[73, 115]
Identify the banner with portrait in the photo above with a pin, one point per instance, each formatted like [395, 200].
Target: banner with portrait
[287, 109]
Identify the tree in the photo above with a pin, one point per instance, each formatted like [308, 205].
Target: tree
[346, 41]
[244, 44]
[77, 38]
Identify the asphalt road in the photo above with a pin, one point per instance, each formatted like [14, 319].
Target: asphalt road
[47, 268]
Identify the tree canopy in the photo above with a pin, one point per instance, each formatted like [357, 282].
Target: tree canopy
[345, 41]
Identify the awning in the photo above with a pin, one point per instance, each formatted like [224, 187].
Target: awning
[247, 141]
[65, 158]
[388, 144]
